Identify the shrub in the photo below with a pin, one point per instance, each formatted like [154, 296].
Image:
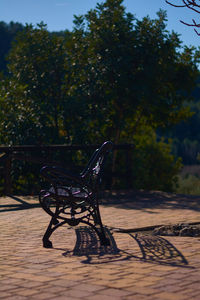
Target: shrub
[190, 184]
[155, 168]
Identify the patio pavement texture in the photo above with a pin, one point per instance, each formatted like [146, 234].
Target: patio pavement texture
[135, 266]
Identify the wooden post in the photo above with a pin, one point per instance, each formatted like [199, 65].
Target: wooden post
[7, 182]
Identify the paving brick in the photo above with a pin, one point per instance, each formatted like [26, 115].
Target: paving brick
[77, 293]
[114, 292]
[104, 297]
[52, 289]
[90, 287]
[43, 296]
[16, 297]
[29, 271]
[4, 295]
[64, 283]
[26, 292]
[7, 287]
[171, 296]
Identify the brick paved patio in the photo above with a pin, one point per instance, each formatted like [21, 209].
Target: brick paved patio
[135, 266]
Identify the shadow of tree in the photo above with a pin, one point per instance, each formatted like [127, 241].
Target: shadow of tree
[153, 249]
[137, 200]
[20, 205]
[142, 200]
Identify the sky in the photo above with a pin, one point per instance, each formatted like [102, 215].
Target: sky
[59, 14]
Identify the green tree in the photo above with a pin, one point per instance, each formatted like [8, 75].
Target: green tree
[100, 61]
[36, 62]
[114, 77]
[14, 114]
[155, 168]
[127, 72]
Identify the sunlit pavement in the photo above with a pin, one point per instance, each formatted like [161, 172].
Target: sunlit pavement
[135, 266]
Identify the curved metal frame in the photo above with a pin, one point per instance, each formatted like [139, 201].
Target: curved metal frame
[73, 199]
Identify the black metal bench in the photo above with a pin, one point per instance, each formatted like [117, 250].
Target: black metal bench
[73, 199]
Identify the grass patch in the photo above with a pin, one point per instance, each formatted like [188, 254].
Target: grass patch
[189, 184]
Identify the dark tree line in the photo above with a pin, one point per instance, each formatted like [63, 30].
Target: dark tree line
[7, 35]
[185, 135]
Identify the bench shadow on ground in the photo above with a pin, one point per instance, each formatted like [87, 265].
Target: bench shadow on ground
[142, 200]
[154, 249]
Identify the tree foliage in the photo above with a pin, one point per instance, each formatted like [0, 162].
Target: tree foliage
[128, 72]
[155, 166]
[36, 64]
[113, 77]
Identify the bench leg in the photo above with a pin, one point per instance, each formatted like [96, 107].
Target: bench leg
[46, 242]
[101, 232]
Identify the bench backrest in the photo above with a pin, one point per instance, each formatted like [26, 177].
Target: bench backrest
[93, 171]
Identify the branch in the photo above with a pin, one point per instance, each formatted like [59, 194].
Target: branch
[197, 32]
[192, 25]
[191, 4]
[174, 4]
[186, 3]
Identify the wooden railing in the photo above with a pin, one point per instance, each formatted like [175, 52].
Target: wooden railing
[26, 153]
